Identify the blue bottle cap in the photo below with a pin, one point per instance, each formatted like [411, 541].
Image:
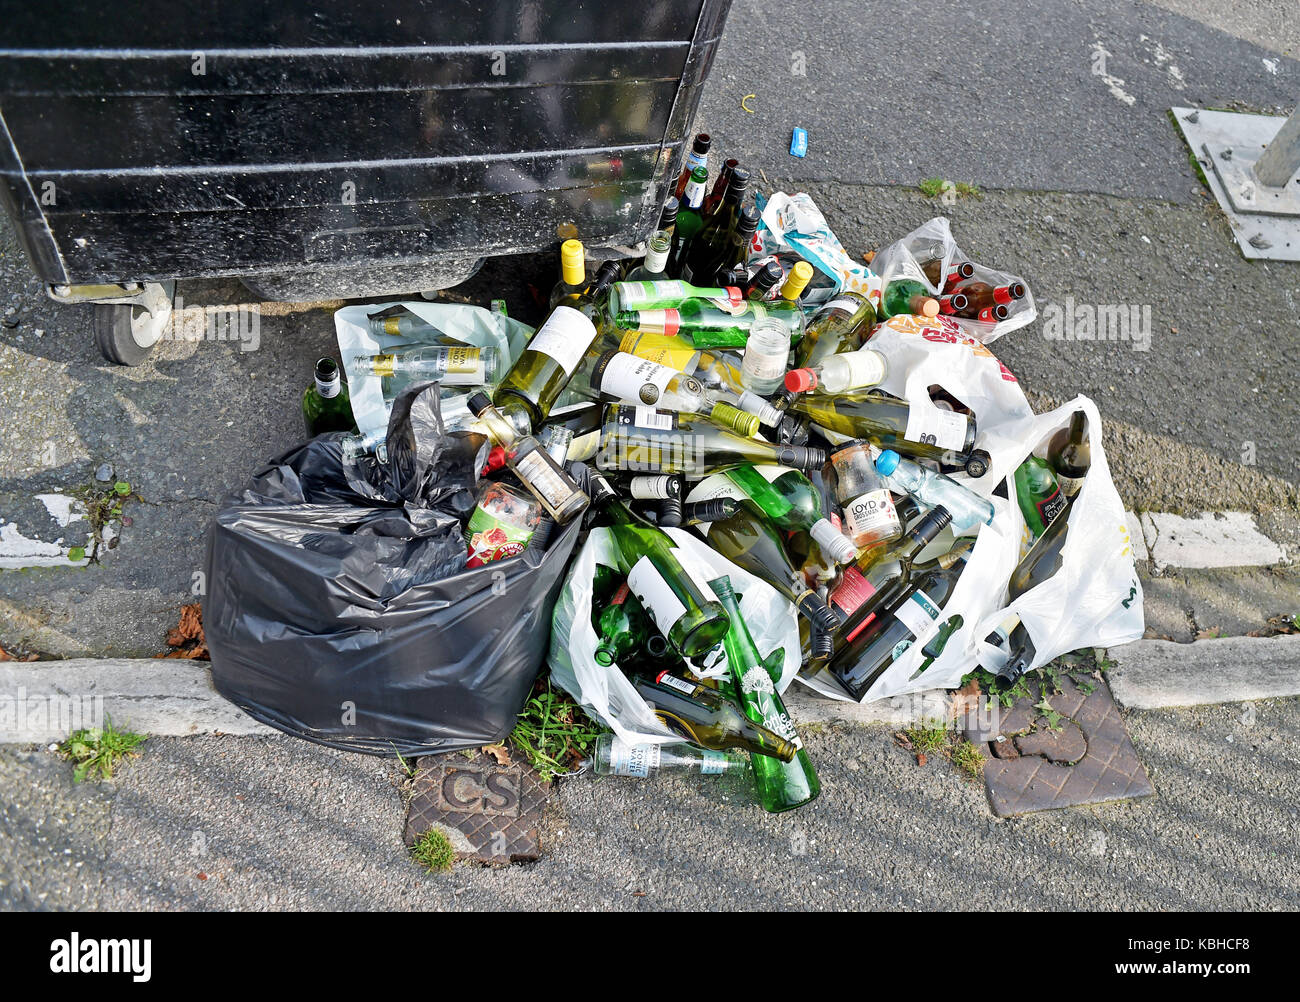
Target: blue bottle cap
[887, 462]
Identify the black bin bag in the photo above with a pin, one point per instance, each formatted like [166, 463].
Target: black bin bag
[339, 609]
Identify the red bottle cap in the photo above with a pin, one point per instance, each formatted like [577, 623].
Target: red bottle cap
[495, 460]
[800, 380]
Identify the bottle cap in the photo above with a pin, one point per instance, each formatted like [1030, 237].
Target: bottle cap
[822, 616]
[478, 402]
[834, 543]
[496, 458]
[887, 462]
[800, 275]
[800, 380]
[801, 457]
[573, 262]
[741, 422]
[747, 223]
[668, 214]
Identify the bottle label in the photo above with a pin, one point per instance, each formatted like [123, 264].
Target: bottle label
[648, 417]
[920, 614]
[942, 429]
[852, 591]
[665, 322]
[636, 380]
[543, 478]
[565, 337]
[620, 596]
[648, 585]
[488, 538]
[760, 365]
[712, 763]
[1069, 485]
[328, 389]
[639, 295]
[871, 513]
[674, 355]
[866, 368]
[694, 192]
[1050, 507]
[843, 304]
[671, 681]
[756, 681]
[632, 760]
[734, 302]
[653, 488]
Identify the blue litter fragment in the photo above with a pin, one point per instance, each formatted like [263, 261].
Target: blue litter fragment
[799, 143]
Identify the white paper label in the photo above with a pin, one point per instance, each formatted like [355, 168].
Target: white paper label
[652, 591]
[759, 365]
[632, 760]
[673, 682]
[635, 380]
[537, 473]
[328, 389]
[847, 305]
[633, 294]
[648, 417]
[565, 337]
[942, 429]
[920, 614]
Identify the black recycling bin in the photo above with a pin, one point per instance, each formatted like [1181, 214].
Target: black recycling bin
[336, 148]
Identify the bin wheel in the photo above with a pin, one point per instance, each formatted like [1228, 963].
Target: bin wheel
[977, 464]
[126, 332]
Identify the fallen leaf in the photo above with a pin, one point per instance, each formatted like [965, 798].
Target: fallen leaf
[498, 752]
[965, 700]
[869, 256]
[202, 876]
[920, 758]
[187, 637]
[1209, 634]
[902, 740]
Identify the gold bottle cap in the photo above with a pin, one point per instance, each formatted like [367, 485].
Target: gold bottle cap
[573, 264]
[800, 275]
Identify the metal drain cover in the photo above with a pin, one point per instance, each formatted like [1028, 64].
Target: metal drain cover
[1088, 760]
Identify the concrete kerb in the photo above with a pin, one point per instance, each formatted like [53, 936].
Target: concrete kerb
[44, 701]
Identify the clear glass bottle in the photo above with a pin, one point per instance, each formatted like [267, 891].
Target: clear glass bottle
[870, 518]
[766, 353]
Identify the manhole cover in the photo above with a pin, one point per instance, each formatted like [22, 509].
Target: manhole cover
[1087, 759]
[488, 812]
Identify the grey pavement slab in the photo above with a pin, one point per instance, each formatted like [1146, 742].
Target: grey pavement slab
[1151, 674]
[275, 823]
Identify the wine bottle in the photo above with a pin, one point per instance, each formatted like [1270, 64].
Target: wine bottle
[1040, 563]
[615, 757]
[690, 219]
[913, 615]
[838, 326]
[546, 479]
[679, 602]
[906, 295]
[533, 384]
[325, 403]
[711, 323]
[452, 366]
[708, 251]
[696, 159]
[642, 440]
[651, 268]
[661, 293]
[720, 186]
[789, 501]
[1069, 456]
[782, 785]
[619, 376]
[967, 508]
[709, 719]
[760, 286]
[851, 372]
[706, 512]
[573, 273]
[622, 627]
[1040, 498]
[890, 423]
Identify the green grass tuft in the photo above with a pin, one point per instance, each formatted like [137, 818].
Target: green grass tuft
[553, 732]
[97, 751]
[433, 851]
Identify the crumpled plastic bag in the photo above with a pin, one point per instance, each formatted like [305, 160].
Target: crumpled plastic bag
[794, 223]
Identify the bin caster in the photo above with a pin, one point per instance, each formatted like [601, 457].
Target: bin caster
[128, 320]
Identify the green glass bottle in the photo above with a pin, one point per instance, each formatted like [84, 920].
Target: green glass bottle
[890, 423]
[529, 390]
[679, 603]
[712, 323]
[622, 628]
[325, 403]
[642, 440]
[1040, 563]
[690, 217]
[782, 786]
[711, 246]
[1039, 496]
[710, 719]
[789, 501]
[657, 295]
[907, 296]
